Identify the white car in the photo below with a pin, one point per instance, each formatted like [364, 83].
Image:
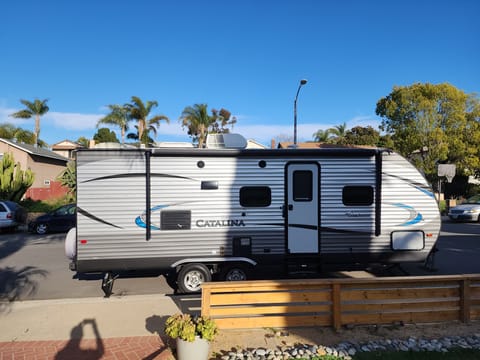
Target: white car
[468, 211]
[11, 215]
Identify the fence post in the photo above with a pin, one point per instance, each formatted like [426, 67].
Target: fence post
[206, 292]
[336, 307]
[465, 301]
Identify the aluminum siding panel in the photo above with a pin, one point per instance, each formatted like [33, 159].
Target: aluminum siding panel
[119, 201]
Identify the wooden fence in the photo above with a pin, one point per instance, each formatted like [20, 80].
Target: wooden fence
[345, 301]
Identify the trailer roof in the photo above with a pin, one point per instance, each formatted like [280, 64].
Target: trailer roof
[181, 152]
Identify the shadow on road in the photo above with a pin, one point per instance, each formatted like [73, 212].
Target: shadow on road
[18, 283]
[188, 304]
[10, 243]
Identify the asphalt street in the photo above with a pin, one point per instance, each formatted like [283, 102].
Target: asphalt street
[34, 267]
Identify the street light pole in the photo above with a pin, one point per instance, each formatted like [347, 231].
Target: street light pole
[302, 82]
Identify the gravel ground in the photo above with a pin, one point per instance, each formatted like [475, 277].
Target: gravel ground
[279, 343]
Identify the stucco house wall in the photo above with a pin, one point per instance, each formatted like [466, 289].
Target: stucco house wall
[66, 148]
[45, 164]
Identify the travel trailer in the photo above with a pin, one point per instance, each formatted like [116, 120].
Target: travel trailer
[200, 214]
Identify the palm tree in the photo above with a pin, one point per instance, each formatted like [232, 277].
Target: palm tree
[321, 135]
[146, 139]
[339, 132]
[36, 108]
[140, 111]
[119, 116]
[197, 120]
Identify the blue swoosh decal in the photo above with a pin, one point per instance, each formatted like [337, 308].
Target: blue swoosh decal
[139, 220]
[415, 217]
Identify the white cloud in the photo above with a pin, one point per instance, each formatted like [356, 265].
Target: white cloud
[174, 128]
[68, 121]
[72, 121]
[364, 121]
[6, 118]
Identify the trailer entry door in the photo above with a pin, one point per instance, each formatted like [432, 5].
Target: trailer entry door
[302, 216]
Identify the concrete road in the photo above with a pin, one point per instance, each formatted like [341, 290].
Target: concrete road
[459, 249]
[35, 267]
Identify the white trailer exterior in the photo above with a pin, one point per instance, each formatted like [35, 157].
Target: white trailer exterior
[204, 211]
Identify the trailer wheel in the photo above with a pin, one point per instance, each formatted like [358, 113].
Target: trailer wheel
[235, 273]
[191, 277]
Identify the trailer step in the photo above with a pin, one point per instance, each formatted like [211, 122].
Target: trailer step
[303, 267]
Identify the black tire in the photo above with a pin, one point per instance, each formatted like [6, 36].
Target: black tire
[235, 272]
[171, 279]
[41, 228]
[191, 277]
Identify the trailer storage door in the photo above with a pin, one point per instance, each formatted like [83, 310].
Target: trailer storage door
[302, 216]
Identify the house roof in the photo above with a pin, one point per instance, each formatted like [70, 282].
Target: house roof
[32, 150]
[314, 145]
[255, 144]
[67, 145]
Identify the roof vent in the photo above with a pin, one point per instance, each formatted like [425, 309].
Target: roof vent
[226, 141]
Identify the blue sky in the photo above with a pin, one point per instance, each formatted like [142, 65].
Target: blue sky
[245, 56]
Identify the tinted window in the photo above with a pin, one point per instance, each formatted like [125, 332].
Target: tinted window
[255, 196]
[302, 185]
[357, 195]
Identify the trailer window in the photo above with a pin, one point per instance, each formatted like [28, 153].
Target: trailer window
[255, 196]
[357, 195]
[302, 185]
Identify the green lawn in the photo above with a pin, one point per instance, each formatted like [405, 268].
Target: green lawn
[463, 354]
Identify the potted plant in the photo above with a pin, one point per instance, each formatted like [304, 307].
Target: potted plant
[192, 334]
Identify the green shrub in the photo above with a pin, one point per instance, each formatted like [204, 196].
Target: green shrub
[185, 327]
[442, 206]
[44, 206]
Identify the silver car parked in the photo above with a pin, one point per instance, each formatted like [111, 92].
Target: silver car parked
[12, 215]
[468, 211]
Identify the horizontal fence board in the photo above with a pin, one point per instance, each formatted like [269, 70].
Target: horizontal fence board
[256, 310]
[406, 317]
[475, 292]
[398, 293]
[268, 298]
[399, 285]
[268, 288]
[264, 285]
[273, 321]
[381, 307]
[475, 314]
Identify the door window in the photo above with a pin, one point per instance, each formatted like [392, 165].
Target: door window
[302, 185]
